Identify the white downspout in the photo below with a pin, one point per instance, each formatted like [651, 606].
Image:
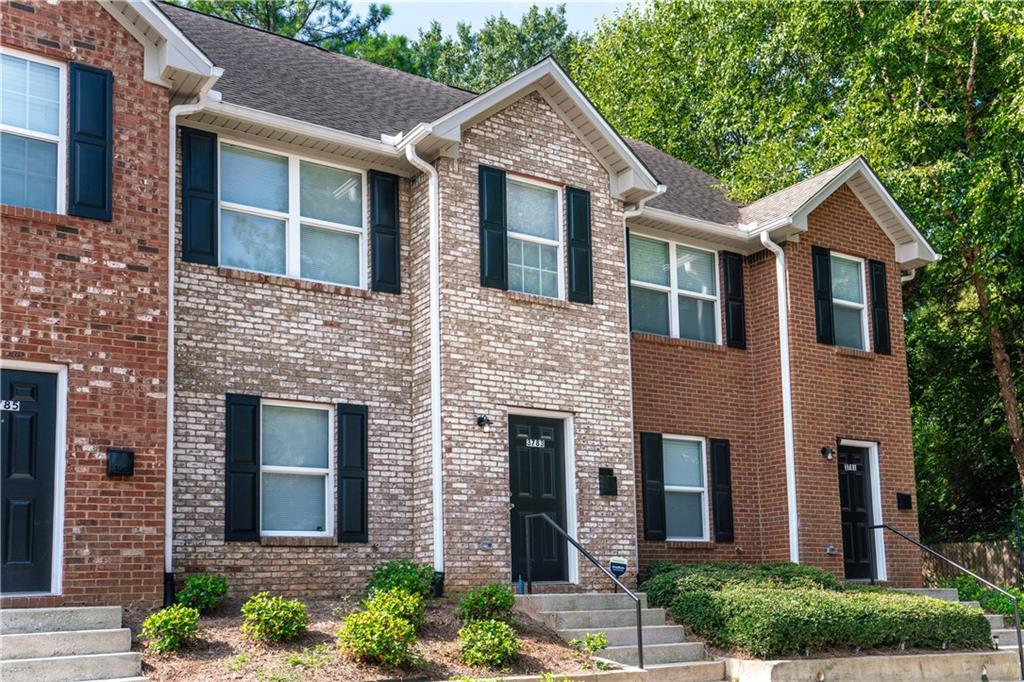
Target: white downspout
[436, 470]
[782, 289]
[909, 276]
[172, 194]
[633, 212]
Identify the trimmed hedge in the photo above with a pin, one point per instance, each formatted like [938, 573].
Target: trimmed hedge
[970, 589]
[771, 610]
[769, 622]
[669, 579]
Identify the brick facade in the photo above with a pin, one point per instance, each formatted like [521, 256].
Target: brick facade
[92, 296]
[688, 388]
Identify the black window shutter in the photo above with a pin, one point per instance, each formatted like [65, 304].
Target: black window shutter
[493, 229]
[198, 196]
[721, 489]
[385, 276]
[653, 469]
[242, 468]
[880, 307]
[91, 137]
[822, 267]
[735, 314]
[581, 286]
[353, 467]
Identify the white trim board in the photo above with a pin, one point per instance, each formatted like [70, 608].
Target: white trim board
[59, 469]
[569, 451]
[875, 483]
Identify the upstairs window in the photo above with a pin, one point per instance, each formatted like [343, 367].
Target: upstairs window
[32, 132]
[849, 311]
[534, 238]
[289, 216]
[673, 289]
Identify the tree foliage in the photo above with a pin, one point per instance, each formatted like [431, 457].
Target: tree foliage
[932, 93]
[475, 60]
[326, 23]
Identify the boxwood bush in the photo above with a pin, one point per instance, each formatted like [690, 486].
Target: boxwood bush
[273, 619]
[404, 574]
[399, 603]
[489, 643]
[667, 580]
[490, 602]
[970, 589]
[203, 591]
[377, 636]
[773, 621]
[171, 628]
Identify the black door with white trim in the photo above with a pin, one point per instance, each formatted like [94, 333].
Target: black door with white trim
[537, 477]
[854, 503]
[27, 462]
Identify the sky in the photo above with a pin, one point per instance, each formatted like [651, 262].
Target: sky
[408, 16]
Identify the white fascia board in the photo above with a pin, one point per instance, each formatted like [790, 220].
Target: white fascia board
[449, 126]
[682, 220]
[294, 125]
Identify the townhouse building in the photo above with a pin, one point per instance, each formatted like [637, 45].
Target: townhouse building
[282, 314]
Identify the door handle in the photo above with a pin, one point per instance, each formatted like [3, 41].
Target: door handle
[511, 506]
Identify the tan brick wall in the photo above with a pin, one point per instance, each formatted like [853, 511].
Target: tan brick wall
[502, 350]
[696, 389]
[92, 295]
[239, 332]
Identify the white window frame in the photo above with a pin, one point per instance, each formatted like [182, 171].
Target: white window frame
[62, 128]
[560, 244]
[674, 291]
[302, 471]
[843, 303]
[293, 219]
[689, 489]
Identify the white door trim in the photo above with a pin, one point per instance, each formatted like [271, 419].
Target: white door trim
[875, 486]
[60, 465]
[569, 447]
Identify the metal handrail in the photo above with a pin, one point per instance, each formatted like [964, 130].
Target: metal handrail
[529, 576]
[963, 569]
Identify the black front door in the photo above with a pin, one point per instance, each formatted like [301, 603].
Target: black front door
[27, 459]
[537, 476]
[854, 503]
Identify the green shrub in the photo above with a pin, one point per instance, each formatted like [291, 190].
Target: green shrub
[377, 637]
[667, 582]
[171, 628]
[970, 589]
[399, 603]
[591, 643]
[203, 591]
[273, 619]
[402, 573]
[660, 566]
[774, 621]
[489, 643]
[490, 602]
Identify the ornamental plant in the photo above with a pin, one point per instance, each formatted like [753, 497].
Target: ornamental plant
[404, 574]
[488, 643]
[171, 628]
[203, 591]
[399, 603]
[377, 636]
[273, 619]
[490, 602]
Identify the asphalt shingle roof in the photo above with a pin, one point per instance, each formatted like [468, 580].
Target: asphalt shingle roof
[290, 78]
[787, 201]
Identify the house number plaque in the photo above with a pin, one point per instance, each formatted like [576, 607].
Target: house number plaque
[10, 406]
[535, 443]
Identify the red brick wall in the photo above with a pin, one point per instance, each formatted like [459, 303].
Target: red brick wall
[92, 295]
[688, 388]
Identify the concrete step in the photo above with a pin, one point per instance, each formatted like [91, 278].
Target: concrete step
[653, 634]
[694, 671]
[972, 604]
[943, 593]
[996, 621]
[581, 620]
[584, 601]
[49, 644]
[62, 619]
[681, 652]
[68, 668]
[1006, 636]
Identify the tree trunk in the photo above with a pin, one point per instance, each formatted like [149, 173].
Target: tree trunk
[1001, 361]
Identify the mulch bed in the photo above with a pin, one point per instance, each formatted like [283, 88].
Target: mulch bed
[222, 653]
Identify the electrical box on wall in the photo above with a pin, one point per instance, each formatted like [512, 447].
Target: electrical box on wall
[904, 501]
[607, 483]
[120, 462]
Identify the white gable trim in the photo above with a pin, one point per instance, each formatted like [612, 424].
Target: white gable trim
[167, 48]
[629, 177]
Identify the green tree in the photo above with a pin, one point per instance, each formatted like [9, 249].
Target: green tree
[326, 23]
[931, 92]
[475, 60]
